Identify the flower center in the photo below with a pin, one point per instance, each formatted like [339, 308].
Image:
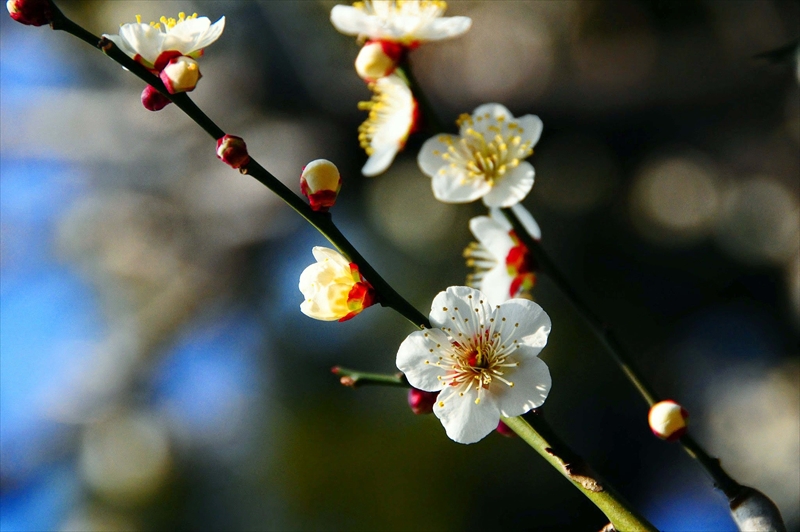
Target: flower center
[168, 23]
[487, 155]
[427, 9]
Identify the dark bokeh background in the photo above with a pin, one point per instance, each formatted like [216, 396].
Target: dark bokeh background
[156, 370]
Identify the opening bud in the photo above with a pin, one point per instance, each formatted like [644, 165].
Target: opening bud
[232, 151]
[181, 74]
[154, 100]
[31, 12]
[421, 402]
[668, 420]
[378, 59]
[320, 182]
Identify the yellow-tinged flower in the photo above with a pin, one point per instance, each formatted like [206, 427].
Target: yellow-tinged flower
[408, 22]
[333, 287]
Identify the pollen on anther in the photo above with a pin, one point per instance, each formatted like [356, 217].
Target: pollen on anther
[431, 350]
[461, 394]
[441, 404]
[516, 325]
[444, 309]
[504, 319]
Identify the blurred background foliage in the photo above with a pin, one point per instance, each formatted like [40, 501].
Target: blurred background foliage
[157, 373]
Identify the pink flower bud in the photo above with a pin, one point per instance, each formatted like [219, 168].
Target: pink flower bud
[668, 420]
[154, 100]
[421, 402]
[232, 151]
[31, 12]
[320, 182]
[505, 430]
[181, 74]
[378, 59]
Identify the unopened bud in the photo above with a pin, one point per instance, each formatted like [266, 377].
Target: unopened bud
[505, 430]
[232, 151]
[668, 420]
[180, 75]
[31, 12]
[320, 182]
[154, 100]
[421, 402]
[378, 59]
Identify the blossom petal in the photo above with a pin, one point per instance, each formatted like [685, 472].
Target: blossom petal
[524, 321]
[212, 34]
[143, 39]
[531, 128]
[430, 155]
[527, 220]
[322, 253]
[418, 356]
[485, 116]
[492, 236]
[380, 160]
[532, 382]
[450, 186]
[463, 419]
[463, 298]
[349, 20]
[183, 37]
[512, 187]
[496, 284]
[443, 28]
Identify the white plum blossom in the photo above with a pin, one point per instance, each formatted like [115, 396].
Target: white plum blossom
[482, 359]
[408, 22]
[504, 267]
[485, 160]
[154, 44]
[333, 288]
[393, 115]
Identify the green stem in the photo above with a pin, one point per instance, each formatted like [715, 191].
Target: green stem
[614, 348]
[355, 378]
[323, 222]
[574, 469]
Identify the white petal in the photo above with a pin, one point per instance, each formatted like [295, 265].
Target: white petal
[144, 39]
[522, 320]
[486, 115]
[512, 187]
[417, 358]
[532, 383]
[121, 43]
[430, 155]
[492, 236]
[321, 253]
[496, 284]
[463, 420]
[443, 28]
[531, 128]
[450, 186]
[528, 222]
[466, 300]
[380, 160]
[212, 34]
[349, 20]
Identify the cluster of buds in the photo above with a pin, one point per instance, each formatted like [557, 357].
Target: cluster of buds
[31, 12]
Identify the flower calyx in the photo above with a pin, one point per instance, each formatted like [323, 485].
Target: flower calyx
[320, 182]
[333, 288]
[152, 100]
[667, 420]
[232, 151]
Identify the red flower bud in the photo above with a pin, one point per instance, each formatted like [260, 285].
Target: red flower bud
[421, 402]
[31, 12]
[232, 151]
[154, 100]
[320, 182]
[378, 59]
[181, 74]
